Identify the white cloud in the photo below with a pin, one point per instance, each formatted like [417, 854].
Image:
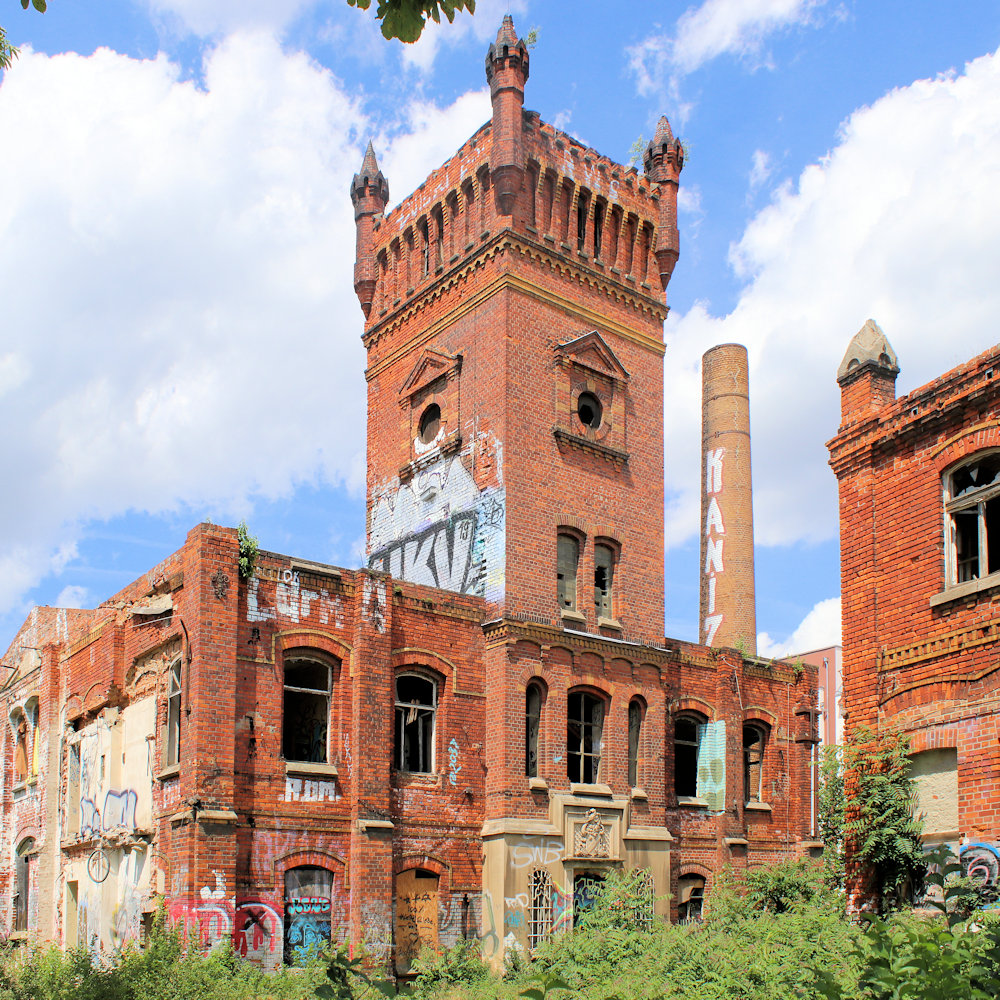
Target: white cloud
[218, 17]
[72, 596]
[176, 264]
[818, 630]
[885, 227]
[716, 28]
[761, 169]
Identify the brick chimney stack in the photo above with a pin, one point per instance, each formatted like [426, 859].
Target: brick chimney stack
[663, 162]
[369, 195]
[867, 375]
[728, 603]
[507, 73]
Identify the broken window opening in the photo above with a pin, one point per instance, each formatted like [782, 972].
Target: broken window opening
[634, 733]
[568, 559]
[590, 410]
[604, 568]
[690, 899]
[581, 223]
[687, 739]
[416, 703]
[754, 739]
[532, 724]
[541, 919]
[425, 246]
[430, 423]
[21, 752]
[598, 229]
[973, 513]
[308, 905]
[583, 737]
[23, 864]
[586, 886]
[173, 742]
[306, 710]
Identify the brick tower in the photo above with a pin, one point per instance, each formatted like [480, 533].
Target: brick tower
[515, 308]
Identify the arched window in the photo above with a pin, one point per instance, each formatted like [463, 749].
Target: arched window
[690, 898]
[23, 866]
[540, 921]
[585, 727]
[308, 892]
[604, 571]
[972, 511]
[306, 708]
[754, 741]
[173, 741]
[687, 740]
[634, 733]
[567, 561]
[22, 746]
[532, 724]
[416, 704]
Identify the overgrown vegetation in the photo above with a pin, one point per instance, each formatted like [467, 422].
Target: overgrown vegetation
[249, 551]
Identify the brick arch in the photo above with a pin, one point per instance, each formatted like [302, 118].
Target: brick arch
[572, 525]
[427, 862]
[315, 639]
[692, 704]
[298, 859]
[968, 441]
[73, 707]
[406, 657]
[934, 738]
[695, 868]
[757, 713]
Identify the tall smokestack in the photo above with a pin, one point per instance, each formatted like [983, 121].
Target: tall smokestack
[728, 604]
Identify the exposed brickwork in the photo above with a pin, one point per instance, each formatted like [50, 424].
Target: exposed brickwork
[546, 282]
[920, 650]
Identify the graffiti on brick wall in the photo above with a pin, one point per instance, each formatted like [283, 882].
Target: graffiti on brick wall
[446, 526]
[715, 531]
[453, 765]
[981, 863]
[257, 932]
[293, 601]
[310, 790]
[373, 603]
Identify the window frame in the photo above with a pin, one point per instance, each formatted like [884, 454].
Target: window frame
[763, 732]
[695, 884]
[399, 731]
[310, 656]
[24, 862]
[581, 756]
[604, 608]
[541, 911]
[637, 708]
[533, 736]
[699, 721]
[175, 706]
[568, 590]
[976, 499]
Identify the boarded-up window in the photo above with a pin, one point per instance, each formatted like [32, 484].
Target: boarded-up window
[21, 748]
[585, 726]
[532, 722]
[604, 570]
[416, 915]
[568, 558]
[540, 923]
[712, 765]
[307, 912]
[935, 780]
[306, 712]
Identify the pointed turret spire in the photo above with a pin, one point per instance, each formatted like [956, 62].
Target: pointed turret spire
[507, 72]
[369, 194]
[662, 163]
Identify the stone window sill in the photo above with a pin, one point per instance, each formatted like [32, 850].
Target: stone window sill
[569, 615]
[691, 802]
[170, 771]
[584, 788]
[762, 807]
[313, 770]
[415, 779]
[639, 794]
[609, 623]
[538, 785]
[968, 589]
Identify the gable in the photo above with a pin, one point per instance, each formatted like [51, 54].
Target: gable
[430, 366]
[591, 351]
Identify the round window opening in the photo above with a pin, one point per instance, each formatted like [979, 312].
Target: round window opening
[430, 423]
[589, 410]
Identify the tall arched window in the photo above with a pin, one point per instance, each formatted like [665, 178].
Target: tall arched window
[687, 739]
[567, 561]
[308, 892]
[306, 709]
[23, 866]
[634, 735]
[754, 741]
[173, 741]
[585, 727]
[604, 572]
[416, 705]
[540, 922]
[972, 510]
[22, 745]
[532, 724]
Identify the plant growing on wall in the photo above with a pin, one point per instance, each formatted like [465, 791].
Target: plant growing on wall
[249, 551]
[830, 815]
[881, 832]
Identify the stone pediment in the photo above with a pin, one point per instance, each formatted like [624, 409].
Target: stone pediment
[591, 351]
[430, 366]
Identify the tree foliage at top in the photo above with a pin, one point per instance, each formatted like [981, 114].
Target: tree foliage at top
[8, 52]
[405, 19]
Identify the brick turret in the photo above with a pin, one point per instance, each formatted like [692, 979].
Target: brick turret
[867, 375]
[506, 73]
[663, 162]
[369, 194]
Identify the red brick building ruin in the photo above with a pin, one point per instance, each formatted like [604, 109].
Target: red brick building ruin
[461, 739]
[920, 576]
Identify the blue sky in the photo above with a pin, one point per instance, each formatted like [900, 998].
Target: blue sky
[180, 338]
